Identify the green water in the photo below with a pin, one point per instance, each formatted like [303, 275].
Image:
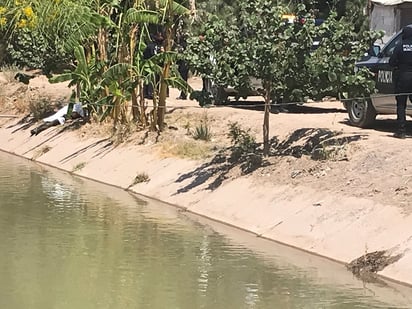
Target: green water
[70, 243]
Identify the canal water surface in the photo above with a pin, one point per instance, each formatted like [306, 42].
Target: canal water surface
[66, 242]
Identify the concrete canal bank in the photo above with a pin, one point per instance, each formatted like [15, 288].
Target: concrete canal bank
[337, 226]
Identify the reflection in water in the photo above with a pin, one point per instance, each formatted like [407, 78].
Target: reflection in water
[70, 243]
[204, 265]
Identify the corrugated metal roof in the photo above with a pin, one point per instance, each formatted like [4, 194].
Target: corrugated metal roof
[390, 2]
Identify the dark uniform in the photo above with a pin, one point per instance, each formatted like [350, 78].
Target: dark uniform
[401, 60]
[153, 48]
[182, 66]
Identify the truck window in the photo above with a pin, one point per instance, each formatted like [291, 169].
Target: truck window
[388, 50]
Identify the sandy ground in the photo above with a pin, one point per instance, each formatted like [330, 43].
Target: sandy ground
[354, 199]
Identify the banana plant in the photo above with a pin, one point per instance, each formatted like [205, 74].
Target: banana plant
[143, 71]
[172, 11]
[86, 78]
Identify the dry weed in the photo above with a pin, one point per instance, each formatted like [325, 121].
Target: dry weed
[8, 72]
[78, 167]
[185, 148]
[96, 129]
[41, 152]
[21, 104]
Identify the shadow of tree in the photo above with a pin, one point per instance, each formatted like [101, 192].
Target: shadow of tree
[307, 141]
[306, 108]
[75, 124]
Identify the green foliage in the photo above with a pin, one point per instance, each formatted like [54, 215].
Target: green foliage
[261, 45]
[224, 9]
[31, 49]
[333, 64]
[107, 39]
[87, 75]
[220, 54]
[241, 138]
[27, 49]
[203, 97]
[202, 132]
[244, 149]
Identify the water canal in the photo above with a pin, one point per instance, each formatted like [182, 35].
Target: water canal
[67, 242]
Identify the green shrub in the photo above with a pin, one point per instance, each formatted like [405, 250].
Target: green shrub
[241, 138]
[32, 50]
[202, 132]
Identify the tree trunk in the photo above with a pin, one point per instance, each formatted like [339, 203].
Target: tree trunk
[142, 105]
[162, 97]
[165, 74]
[132, 47]
[266, 120]
[192, 7]
[102, 44]
[369, 8]
[135, 105]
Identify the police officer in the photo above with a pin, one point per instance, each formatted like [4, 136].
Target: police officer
[182, 65]
[401, 60]
[153, 48]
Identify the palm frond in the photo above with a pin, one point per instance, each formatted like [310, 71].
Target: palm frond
[179, 83]
[61, 78]
[136, 16]
[177, 9]
[167, 56]
[82, 65]
[115, 71]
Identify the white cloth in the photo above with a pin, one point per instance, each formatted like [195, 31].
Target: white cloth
[61, 113]
[391, 2]
[78, 109]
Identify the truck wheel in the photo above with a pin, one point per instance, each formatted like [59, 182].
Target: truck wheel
[361, 113]
[219, 94]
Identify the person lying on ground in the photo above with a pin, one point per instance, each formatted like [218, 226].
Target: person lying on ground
[59, 118]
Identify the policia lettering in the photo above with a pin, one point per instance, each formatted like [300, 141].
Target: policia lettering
[385, 77]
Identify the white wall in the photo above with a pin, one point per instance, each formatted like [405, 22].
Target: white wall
[385, 18]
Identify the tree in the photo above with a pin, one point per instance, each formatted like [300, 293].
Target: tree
[261, 45]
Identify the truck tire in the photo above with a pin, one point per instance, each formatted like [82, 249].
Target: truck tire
[361, 113]
[220, 97]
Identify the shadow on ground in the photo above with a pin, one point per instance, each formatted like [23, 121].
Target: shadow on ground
[387, 126]
[105, 145]
[306, 108]
[319, 144]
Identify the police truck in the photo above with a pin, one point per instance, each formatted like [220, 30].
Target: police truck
[363, 111]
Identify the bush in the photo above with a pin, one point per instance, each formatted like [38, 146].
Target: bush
[202, 132]
[241, 138]
[32, 50]
[40, 108]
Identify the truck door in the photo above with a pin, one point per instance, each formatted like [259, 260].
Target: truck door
[384, 100]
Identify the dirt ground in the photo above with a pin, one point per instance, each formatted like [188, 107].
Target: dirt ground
[356, 162]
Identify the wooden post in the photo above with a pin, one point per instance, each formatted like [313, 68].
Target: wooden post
[266, 120]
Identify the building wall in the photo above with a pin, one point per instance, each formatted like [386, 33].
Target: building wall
[405, 12]
[390, 18]
[384, 18]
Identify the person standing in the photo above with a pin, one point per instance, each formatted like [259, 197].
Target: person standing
[182, 65]
[401, 61]
[153, 48]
